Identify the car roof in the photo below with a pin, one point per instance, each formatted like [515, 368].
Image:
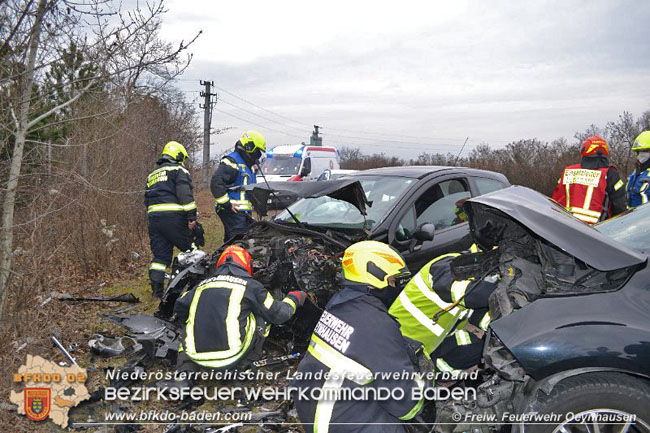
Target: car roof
[420, 171]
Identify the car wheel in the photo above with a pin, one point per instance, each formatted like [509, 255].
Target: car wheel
[593, 403]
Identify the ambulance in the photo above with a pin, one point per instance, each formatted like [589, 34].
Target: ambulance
[298, 162]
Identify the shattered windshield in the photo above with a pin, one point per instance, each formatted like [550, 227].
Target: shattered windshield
[382, 191]
[631, 229]
[279, 165]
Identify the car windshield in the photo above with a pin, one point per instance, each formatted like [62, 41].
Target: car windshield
[630, 229]
[382, 191]
[279, 165]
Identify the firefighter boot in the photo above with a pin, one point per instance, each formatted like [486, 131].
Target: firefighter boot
[157, 289]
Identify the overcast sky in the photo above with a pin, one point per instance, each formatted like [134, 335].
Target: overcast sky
[405, 77]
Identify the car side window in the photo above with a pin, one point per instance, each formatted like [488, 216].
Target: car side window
[407, 226]
[437, 205]
[487, 185]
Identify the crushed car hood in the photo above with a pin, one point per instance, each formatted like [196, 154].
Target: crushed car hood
[549, 221]
[349, 190]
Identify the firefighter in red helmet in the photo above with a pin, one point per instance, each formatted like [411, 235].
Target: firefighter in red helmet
[592, 190]
[227, 316]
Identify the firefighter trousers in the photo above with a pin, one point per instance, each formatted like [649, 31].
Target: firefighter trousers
[458, 352]
[234, 223]
[166, 231]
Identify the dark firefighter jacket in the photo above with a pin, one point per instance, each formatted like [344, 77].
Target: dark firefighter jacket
[233, 170]
[358, 344]
[169, 189]
[222, 313]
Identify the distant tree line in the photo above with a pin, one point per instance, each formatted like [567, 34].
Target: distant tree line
[529, 162]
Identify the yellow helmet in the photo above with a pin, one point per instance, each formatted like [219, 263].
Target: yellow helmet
[642, 142]
[372, 263]
[253, 140]
[176, 151]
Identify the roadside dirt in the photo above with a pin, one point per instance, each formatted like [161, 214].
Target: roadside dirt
[74, 323]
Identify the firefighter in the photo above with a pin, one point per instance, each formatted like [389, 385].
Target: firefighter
[235, 169]
[436, 305]
[171, 211]
[356, 344]
[227, 317]
[592, 190]
[638, 191]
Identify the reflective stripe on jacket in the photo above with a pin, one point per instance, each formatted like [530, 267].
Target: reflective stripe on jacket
[419, 302]
[582, 192]
[169, 189]
[222, 314]
[356, 344]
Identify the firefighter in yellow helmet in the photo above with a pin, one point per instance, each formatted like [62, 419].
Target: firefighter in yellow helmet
[171, 211]
[638, 184]
[236, 169]
[357, 344]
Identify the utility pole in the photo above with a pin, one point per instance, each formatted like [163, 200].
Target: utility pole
[315, 139]
[207, 120]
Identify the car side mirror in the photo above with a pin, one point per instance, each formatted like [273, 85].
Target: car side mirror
[424, 233]
[306, 167]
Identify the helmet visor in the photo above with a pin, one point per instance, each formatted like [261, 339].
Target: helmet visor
[400, 280]
[642, 156]
[397, 280]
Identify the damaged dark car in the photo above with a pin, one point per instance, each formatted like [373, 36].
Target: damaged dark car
[571, 318]
[570, 331]
[300, 248]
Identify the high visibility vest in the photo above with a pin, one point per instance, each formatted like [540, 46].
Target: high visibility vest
[638, 188]
[582, 192]
[239, 199]
[418, 303]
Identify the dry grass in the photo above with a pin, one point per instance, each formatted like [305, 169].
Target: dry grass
[77, 322]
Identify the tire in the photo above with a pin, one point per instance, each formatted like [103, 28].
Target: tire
[610, 394]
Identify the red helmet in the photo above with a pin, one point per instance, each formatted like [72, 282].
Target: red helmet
[238, 255]
[593, 145]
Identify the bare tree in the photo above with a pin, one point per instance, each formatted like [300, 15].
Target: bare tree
[34, 35]
[621, 135]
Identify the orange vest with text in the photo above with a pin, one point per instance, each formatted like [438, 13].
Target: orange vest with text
[582, 191]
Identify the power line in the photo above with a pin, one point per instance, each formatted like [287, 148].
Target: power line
[259, 115]
[262, 108]
[393, 135]
[366, 138]
[257, 124]
[372, 139]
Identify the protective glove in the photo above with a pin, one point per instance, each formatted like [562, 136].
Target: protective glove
[299, 297]
[227, 206]
[198, 234]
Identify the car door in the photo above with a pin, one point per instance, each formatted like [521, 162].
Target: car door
[435, 203]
